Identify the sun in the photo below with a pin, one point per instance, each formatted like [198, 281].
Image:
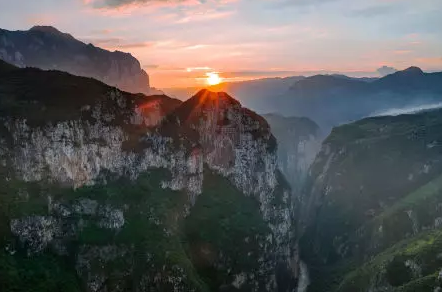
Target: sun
[213, 78]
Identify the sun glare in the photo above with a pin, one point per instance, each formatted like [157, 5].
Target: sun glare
[213, 78]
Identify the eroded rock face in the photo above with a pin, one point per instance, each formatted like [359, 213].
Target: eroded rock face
[75, 152]
[49, 49]
[36, 232]
[299, 140]
[109, 139]
[237, 143]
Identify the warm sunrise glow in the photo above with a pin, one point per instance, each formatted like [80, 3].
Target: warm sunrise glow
[213, 78]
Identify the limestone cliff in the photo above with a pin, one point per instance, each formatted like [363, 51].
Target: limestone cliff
[49, 49]
[123, 192]
[237, 143]
[299, 140]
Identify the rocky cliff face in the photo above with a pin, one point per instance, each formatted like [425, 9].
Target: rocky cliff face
[372, 206]
[49, 49]
[299, 140]
[237, 143]
[102, 189]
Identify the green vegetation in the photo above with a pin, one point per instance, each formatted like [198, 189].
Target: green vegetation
[224, 232]
[421, 252]
[426, 192]
[427, 283]
[223, 236]
[397, 272]
[422, 205]
[383, 188]
[390, 265]
[149, 211]
[40, 273]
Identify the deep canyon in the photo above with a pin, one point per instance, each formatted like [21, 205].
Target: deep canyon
[109, 188]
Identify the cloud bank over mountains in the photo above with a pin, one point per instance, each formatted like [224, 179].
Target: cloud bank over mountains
[408, 110]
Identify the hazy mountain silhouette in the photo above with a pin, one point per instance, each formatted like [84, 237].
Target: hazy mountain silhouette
[332, 100]
[47, 48]
[250, 91]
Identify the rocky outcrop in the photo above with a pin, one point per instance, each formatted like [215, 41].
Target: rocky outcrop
[299, 140]
[372, 198]
[102, 178]
[49, 49]
[237, 143]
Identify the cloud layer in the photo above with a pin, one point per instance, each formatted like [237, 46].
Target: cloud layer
[409, 110]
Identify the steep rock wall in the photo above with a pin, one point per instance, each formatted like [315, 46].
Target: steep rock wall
[75, 185]
[299, 140]
[373, 190]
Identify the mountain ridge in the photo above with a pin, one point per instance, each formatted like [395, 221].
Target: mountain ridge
[48, 48]
[347, 100]
[370, 206]
[51, 30]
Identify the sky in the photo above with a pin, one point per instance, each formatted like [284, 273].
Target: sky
[179, 42]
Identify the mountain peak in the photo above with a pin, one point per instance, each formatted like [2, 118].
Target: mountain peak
[409, 74]
[50, 30]
[413, 70]
[45, 28]
[216, 108]
[205, 100]
[205, 96]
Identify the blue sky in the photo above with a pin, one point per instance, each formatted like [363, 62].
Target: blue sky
[178, 41]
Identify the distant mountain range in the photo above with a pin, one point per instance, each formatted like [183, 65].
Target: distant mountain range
[331, 100]
[254, 90]
[244, 90]
[47, 48]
